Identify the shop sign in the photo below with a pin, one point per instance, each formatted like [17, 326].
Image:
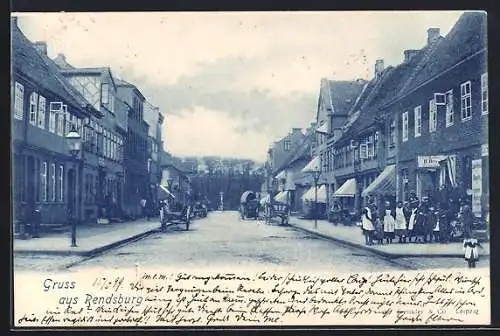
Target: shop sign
[477, 182]
[430, 161]
[484, 150]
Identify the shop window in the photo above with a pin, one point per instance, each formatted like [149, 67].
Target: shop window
[61, 183]
[43, 181]
[53, 182]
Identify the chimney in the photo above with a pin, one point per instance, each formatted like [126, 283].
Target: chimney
[296, 130]
[432, 35]
[379, 67]
[41, 47]
[409, 54]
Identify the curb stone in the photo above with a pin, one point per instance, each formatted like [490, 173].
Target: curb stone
[88, 253]
[378, 252]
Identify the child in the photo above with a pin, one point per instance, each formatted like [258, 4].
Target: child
[471, 251]
[389, 224]
[400, 225]
[436, 230]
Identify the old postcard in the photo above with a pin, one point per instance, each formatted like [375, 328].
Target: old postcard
[250, 169]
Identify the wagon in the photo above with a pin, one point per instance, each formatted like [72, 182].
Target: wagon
[178, 217]
[249, 205]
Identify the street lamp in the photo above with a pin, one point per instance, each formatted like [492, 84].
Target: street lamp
[74, 141]
[314, 168]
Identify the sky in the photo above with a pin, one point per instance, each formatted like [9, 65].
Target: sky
[229, 84]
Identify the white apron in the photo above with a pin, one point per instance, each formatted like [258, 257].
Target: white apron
[400, 219]
[389, 222]
[413, 216]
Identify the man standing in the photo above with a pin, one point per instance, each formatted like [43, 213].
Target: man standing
[143, 202]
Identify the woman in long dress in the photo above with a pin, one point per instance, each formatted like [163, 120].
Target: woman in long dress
[367, 226]
[400, 227]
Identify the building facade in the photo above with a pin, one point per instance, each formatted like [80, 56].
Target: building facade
[103, 141]
[155, 121]
[137, 180]
[45, 107]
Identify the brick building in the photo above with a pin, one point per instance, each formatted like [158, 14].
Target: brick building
[442, 119]
[103, 140]
[45, 106]
[137, 181]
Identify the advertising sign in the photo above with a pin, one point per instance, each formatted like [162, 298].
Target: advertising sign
[477, 181]
[430, 161]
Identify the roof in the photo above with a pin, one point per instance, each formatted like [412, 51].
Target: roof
[42, 70]
[342, 94]
[380, 91]
[466, 38]
[303, 151]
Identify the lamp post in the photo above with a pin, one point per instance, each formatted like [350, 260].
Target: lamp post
[316, 174]
[74, 141]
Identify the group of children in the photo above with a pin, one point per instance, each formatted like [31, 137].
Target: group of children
[420, 222]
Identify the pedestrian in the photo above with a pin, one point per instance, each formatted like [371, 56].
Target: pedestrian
[412, 220]
[367, 226]
[142, 203]
[400, 225]
[444, 227]
[421, 221]
[389, 225]
[36, 220]
[435, 221]
[467, 219]
[471, 253]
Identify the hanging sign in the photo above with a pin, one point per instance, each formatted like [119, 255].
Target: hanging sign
[477, 182]
[484, 150]
[430, 161]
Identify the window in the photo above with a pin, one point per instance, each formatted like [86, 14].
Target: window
[287, 145]
[432, 116]
[41, 111]
[33, 107]
[105, 93]
[484, 93]
[449, 108]
[392, 133]
[405, 126]
[67, 120]
[465, 101]
[418, 121]
[54, 109]
[61, 183]
[43, 181]
[363, 151]
[19, 101]
[53, 182]
[149, 165]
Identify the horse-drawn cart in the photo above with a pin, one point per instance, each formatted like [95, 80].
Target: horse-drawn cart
[249, 205]
[275, 209]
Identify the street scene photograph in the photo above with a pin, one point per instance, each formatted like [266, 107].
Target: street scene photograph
[311, 141]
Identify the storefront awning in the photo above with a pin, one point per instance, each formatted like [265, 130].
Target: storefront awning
[265, 199]
[281, 175]
[313, 165]
[281, 197]
[322, 129]
[164, 193]
[384, 184]
[309, 195]
[348, 189]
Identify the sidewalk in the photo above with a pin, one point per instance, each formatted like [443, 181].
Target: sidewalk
[90, 239]
[353, 236]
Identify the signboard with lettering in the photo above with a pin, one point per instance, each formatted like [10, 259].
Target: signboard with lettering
[430, 161]
[477, 181]
[484, 150]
